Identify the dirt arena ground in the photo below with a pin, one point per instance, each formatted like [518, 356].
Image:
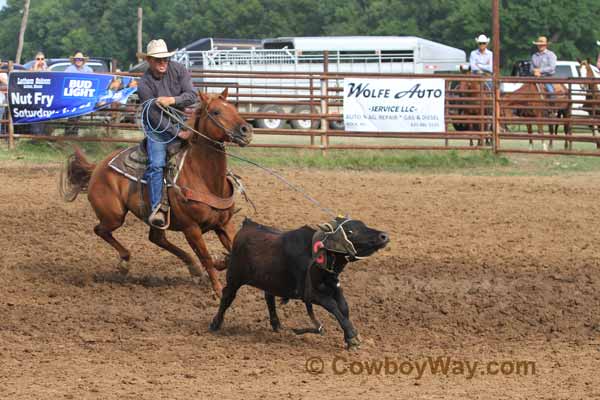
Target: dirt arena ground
[489, 270]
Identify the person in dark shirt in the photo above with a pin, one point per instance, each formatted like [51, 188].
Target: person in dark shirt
[169, 84]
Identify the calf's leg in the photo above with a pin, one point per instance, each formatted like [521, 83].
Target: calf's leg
[318, 326]
[229, 293]
[350, 334]
[275, 324]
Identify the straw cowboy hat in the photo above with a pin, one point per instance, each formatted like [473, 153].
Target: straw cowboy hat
[541, 41]
[156, 49]
[79, 55]
[482, 39]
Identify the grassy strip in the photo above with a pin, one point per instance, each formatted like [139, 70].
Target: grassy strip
[462, 162]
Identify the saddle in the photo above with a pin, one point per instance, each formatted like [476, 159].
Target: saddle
[132, 163]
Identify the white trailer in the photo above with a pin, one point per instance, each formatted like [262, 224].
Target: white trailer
[347, 54]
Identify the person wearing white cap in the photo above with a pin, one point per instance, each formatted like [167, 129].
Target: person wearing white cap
[481, 60]
[170, 84]
[544, 62]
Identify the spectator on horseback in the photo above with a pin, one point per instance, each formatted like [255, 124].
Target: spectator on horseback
[78, 61]
[481, 59]
[169, 84]
[544, 62]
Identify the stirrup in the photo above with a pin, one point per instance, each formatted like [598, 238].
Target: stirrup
[160, 219]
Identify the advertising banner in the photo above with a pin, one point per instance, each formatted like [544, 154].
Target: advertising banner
[394, 105]
[42, 96]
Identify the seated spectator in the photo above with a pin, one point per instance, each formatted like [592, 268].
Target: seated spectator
[38, 65]
[40, 62]
[78, 61]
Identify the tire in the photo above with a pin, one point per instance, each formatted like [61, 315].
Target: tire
[268, 123]
[337, 125]
[305, 123]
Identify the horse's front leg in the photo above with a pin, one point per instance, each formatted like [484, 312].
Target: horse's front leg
[226, 234]
[194, 237]
[530, 132]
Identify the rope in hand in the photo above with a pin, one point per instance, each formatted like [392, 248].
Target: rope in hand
[177, 116]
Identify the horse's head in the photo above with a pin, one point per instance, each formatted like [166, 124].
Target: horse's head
[220, 121]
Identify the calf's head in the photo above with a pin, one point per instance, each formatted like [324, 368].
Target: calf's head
[353, 238]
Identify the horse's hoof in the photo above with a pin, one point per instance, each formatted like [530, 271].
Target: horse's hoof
[123, 267]
[276, 326]
[195, 269]
[353, 344]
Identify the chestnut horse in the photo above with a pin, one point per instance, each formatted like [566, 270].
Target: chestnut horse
[477, 101]
[530, 101]
[204, 170]
[592, 93]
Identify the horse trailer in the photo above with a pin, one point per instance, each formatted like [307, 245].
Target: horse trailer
[304, 55]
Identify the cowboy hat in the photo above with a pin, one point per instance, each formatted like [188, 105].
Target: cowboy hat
[482, 39]
[598, 42]
[157, 49]
[78, 54]
[542, 40]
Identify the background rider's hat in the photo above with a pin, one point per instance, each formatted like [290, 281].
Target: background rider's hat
[598, 42]
[157, 49]
[541, 41]
[482, 39]
[78, 55]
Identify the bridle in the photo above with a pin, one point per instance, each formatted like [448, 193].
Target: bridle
[171, 112]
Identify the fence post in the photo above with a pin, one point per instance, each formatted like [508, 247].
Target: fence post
[324, 102]
[496, 73]
[312, 106]
[11, 127]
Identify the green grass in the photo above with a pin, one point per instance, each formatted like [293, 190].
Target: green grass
[382, 160]
[401, 161]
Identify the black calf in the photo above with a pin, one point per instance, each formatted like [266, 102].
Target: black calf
[301, 264]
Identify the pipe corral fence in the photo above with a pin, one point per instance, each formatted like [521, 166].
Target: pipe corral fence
[305, 110]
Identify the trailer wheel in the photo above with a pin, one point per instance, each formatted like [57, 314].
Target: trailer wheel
[270, 123]
[304, 123]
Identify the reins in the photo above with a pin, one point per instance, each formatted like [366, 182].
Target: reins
[218, 146]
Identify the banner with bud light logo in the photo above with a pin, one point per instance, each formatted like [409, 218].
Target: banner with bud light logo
[43, 96]
[394, 105]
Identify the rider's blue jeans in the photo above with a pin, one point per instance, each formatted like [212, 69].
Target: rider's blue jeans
[157, 160]
[550, 88]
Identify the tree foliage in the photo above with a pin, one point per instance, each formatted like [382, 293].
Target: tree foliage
[108, 28]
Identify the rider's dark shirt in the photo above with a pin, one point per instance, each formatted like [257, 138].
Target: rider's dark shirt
[176, 83]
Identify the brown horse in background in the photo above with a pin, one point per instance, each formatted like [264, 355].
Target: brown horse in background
[471, 90]
[204, 170]
[530, 101]
[592, 93]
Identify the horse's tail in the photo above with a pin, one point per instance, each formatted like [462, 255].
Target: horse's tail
[75, 176]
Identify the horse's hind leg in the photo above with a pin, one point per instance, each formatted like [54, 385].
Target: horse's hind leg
[104, 229]
[159, 238]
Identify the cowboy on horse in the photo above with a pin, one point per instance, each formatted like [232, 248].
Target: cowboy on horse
[481, 59]
[544, 62]
[171, 85]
